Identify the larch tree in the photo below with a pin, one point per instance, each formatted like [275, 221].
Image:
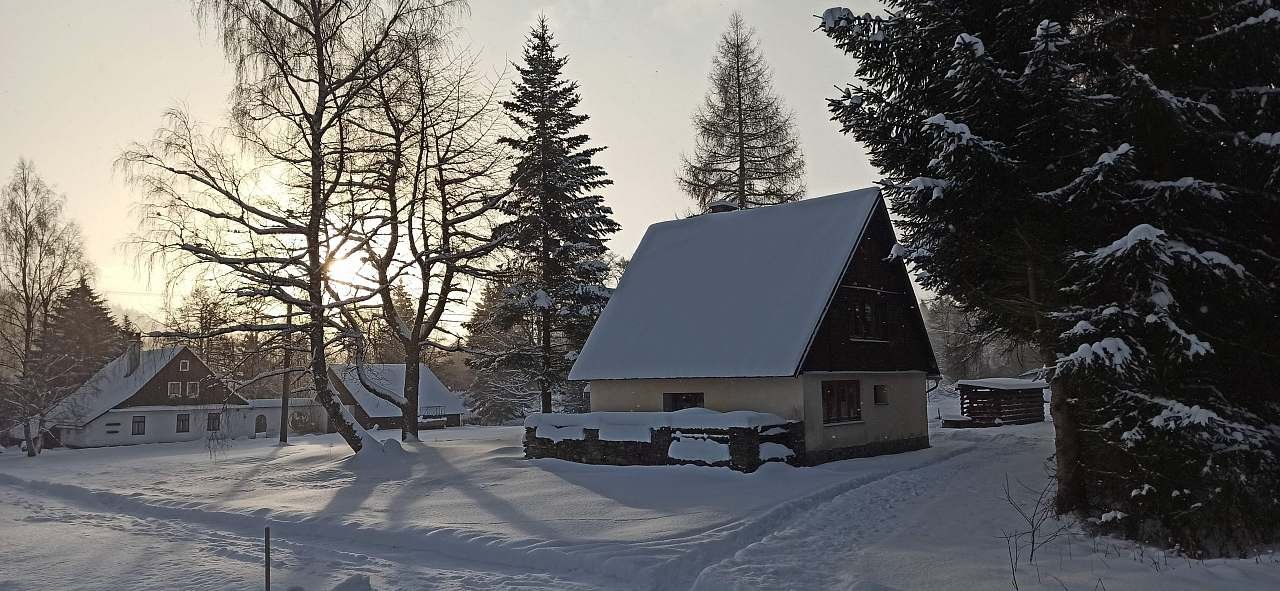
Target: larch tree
[1090, 179]
[268, 201]
[746, 151]
[556, 264]
[41, 256]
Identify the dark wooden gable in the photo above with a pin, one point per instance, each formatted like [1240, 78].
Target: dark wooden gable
[156, 391]
[873, 320]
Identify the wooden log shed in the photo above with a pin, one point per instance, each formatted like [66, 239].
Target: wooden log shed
[990, 402]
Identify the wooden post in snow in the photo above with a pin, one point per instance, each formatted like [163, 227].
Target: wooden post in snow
[267, 554]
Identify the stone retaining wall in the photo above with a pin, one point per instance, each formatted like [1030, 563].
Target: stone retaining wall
[743, 442]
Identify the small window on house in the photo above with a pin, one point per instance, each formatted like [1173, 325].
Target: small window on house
[880, 394]
[193, 389]
[184, 365]
[184, 423]
[841, 401]
[139, 425]
[681, 400]
[175, 389]
[213, 422]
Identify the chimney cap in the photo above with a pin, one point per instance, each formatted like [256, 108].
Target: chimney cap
[721, 206]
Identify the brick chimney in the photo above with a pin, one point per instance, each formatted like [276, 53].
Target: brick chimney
[134, 354]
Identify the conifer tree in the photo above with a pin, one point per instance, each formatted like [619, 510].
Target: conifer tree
[746, 151]
[1092, 180]
[557, 234]
[502, 357]
[82, 338]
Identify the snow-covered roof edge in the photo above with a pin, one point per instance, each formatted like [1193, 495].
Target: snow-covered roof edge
[861, 206]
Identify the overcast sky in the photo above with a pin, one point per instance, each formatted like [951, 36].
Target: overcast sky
[81, 79]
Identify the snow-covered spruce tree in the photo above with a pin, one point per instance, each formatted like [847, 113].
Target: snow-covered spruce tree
[557, 268]
[1140, 178]
[1175, 338]
[81, 338]
[950, 107]
[501, 389]
[746, 151]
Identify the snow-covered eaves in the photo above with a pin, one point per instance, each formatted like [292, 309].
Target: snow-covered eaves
[734, 294]
[390, 376]
[1005, 384]
[112, 385]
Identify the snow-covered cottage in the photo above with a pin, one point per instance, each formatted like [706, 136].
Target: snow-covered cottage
[437, 406]
[799, 310]
[152, 396]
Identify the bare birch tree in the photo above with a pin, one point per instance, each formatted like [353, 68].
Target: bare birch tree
[41, 256]
[266, 200]
[438, 174]
[746, 151]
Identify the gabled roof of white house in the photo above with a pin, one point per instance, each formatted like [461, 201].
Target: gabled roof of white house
[112, 385]
[431, 392]
[734, 294]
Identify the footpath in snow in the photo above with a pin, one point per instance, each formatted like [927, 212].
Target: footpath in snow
[465, 511]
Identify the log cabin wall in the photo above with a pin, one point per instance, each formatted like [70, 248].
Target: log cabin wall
[211, 390]
[873, 320]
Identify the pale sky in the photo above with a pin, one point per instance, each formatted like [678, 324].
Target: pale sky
[81, 79]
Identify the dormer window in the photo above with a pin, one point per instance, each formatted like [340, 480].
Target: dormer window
[184, 365]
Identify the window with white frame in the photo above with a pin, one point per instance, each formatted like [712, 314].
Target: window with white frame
[184, 365]
[175, 389]
[193, 389]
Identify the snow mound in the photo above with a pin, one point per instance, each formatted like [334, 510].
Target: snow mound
[698, 449]
[355, 583]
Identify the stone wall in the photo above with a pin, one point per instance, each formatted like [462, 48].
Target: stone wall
[743, 443]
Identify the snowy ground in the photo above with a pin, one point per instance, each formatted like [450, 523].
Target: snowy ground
[466, 512]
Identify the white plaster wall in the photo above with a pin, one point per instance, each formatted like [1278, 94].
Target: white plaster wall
[780, 396]
[161, 426]
[904, 416]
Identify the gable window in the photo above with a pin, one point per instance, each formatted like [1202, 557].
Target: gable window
[841, 401]
[184, 423]
[139, 425]
[213, 422]
[184, 365]
[681, 400]
[193, 389]
[880, 394]
[175, 389]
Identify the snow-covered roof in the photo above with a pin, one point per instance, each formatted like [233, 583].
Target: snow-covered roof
[431, 392]
[1005, 384]
[734, 294]
[111, 386]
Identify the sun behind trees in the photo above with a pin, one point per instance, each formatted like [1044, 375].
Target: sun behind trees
[745, 150]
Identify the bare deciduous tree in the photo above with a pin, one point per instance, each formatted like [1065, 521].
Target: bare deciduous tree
[267, 200]
[437, 174]
[41, 256]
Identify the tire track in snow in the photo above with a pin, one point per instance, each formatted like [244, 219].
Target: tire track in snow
[814, 550]
[300, 546]
[655, 564]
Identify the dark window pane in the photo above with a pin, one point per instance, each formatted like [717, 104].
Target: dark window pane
[140, 425]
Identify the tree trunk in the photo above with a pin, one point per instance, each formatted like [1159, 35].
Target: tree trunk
[284, 379]
[409, 412]
[1066, 442]
[544, 379]
[26, 433]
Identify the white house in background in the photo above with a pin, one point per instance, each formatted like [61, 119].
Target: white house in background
[153, 396]
[799, 310]
[437, 406]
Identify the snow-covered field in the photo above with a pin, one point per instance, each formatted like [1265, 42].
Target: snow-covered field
[464, 511]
